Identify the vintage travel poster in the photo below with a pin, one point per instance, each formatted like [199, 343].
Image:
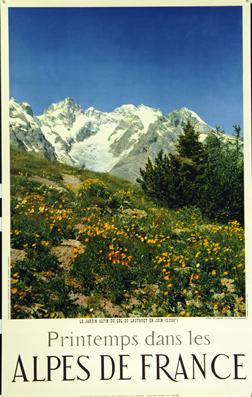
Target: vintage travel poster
[126, 263]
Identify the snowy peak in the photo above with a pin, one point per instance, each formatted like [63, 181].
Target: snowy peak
[183, 115]
[27, 108]
[21, 116]
[25, 130]
[63, 112]
[91, 111]
[19, 108]
[127, 108]
[144, 115]
[66, 106]
[139, 110]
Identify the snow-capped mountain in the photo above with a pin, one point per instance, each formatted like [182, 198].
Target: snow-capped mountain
[25, 130]
[118, 142]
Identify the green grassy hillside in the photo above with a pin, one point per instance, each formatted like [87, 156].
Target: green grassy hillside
[88, 244]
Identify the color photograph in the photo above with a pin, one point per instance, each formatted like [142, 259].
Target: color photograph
[127, 164]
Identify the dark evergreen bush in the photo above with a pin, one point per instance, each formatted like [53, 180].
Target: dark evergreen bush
[208, 176]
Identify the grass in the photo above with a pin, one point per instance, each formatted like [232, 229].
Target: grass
[126, 256]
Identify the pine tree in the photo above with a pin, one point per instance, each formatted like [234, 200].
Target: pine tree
[188, 145]
[158, 180]
[174, 179]
[191, 161]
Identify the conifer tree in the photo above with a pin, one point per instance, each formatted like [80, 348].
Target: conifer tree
[173, 179]
[191, 160]
[209, 175]
[188, 145]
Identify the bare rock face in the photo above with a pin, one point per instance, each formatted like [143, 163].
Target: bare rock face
[17, 255]
[48, 182]
[72, 182]
[67, 251]
[134, 213]
[100, 307]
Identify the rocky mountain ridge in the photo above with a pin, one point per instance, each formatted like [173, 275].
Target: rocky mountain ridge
[118, 142]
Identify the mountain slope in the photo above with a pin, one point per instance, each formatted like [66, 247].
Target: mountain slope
[118, 142]
[96, 247]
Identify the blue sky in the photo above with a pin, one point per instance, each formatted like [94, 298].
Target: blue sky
[166, 58]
